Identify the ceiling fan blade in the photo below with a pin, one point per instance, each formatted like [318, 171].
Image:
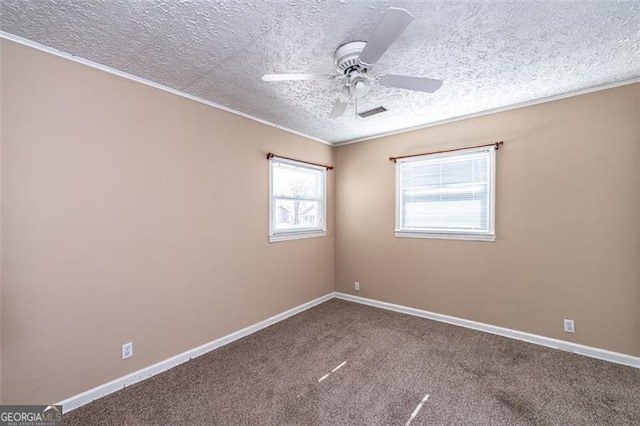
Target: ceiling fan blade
[420, 84]
[389, 29]
[287, 77]
[338, 109]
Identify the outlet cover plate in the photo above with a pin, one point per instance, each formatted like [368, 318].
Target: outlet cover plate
[569, 326]
[127, 350]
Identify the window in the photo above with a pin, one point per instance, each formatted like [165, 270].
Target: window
[449, 195]
[297, 205]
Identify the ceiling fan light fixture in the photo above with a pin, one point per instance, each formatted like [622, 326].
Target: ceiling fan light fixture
[360, 83]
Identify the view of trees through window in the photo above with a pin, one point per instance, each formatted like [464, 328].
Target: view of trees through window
[297, 196]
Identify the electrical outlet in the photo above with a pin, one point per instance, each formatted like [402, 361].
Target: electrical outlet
[356, 286]
[569, 326]
[127, 350]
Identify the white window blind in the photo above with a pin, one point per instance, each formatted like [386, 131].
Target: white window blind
[297, 200]
[448, 195]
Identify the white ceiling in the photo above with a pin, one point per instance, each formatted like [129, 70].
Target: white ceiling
[490, 54]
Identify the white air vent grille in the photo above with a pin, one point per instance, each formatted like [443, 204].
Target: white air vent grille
[371, 112]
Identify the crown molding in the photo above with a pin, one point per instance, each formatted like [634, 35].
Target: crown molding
[495, 110]
[95, 65]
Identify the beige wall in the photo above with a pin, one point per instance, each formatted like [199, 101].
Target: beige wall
[131, 214]
[567, 222]
[124, 219]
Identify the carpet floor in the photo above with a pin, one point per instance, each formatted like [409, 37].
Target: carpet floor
[342, 363]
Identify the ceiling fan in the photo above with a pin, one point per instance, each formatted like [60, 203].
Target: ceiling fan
[355, 59]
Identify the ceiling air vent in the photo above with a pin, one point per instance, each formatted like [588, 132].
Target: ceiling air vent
[372, 112]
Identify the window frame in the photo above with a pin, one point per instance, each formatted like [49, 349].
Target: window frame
[276, 235]
[488, 235]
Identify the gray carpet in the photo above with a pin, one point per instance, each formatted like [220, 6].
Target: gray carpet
[393, 361]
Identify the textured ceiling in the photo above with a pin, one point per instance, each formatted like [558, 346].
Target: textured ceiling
[489, 54]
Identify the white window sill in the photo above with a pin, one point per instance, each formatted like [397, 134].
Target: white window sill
[446, 236]
[296, 236]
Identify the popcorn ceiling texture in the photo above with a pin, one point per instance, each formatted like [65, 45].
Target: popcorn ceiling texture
[489, 54]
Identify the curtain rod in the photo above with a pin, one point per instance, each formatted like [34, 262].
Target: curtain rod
[271, 155]
[497, 145]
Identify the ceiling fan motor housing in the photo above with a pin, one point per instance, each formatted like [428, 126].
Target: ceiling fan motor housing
[347, 57]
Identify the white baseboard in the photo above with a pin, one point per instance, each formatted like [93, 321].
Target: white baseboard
[135, 377]
[589, 351]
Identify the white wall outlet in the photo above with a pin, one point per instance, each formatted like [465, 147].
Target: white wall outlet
[127, 350]
[569, 326]
[356, 286]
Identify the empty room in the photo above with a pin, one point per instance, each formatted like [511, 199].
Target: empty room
[319, 213]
